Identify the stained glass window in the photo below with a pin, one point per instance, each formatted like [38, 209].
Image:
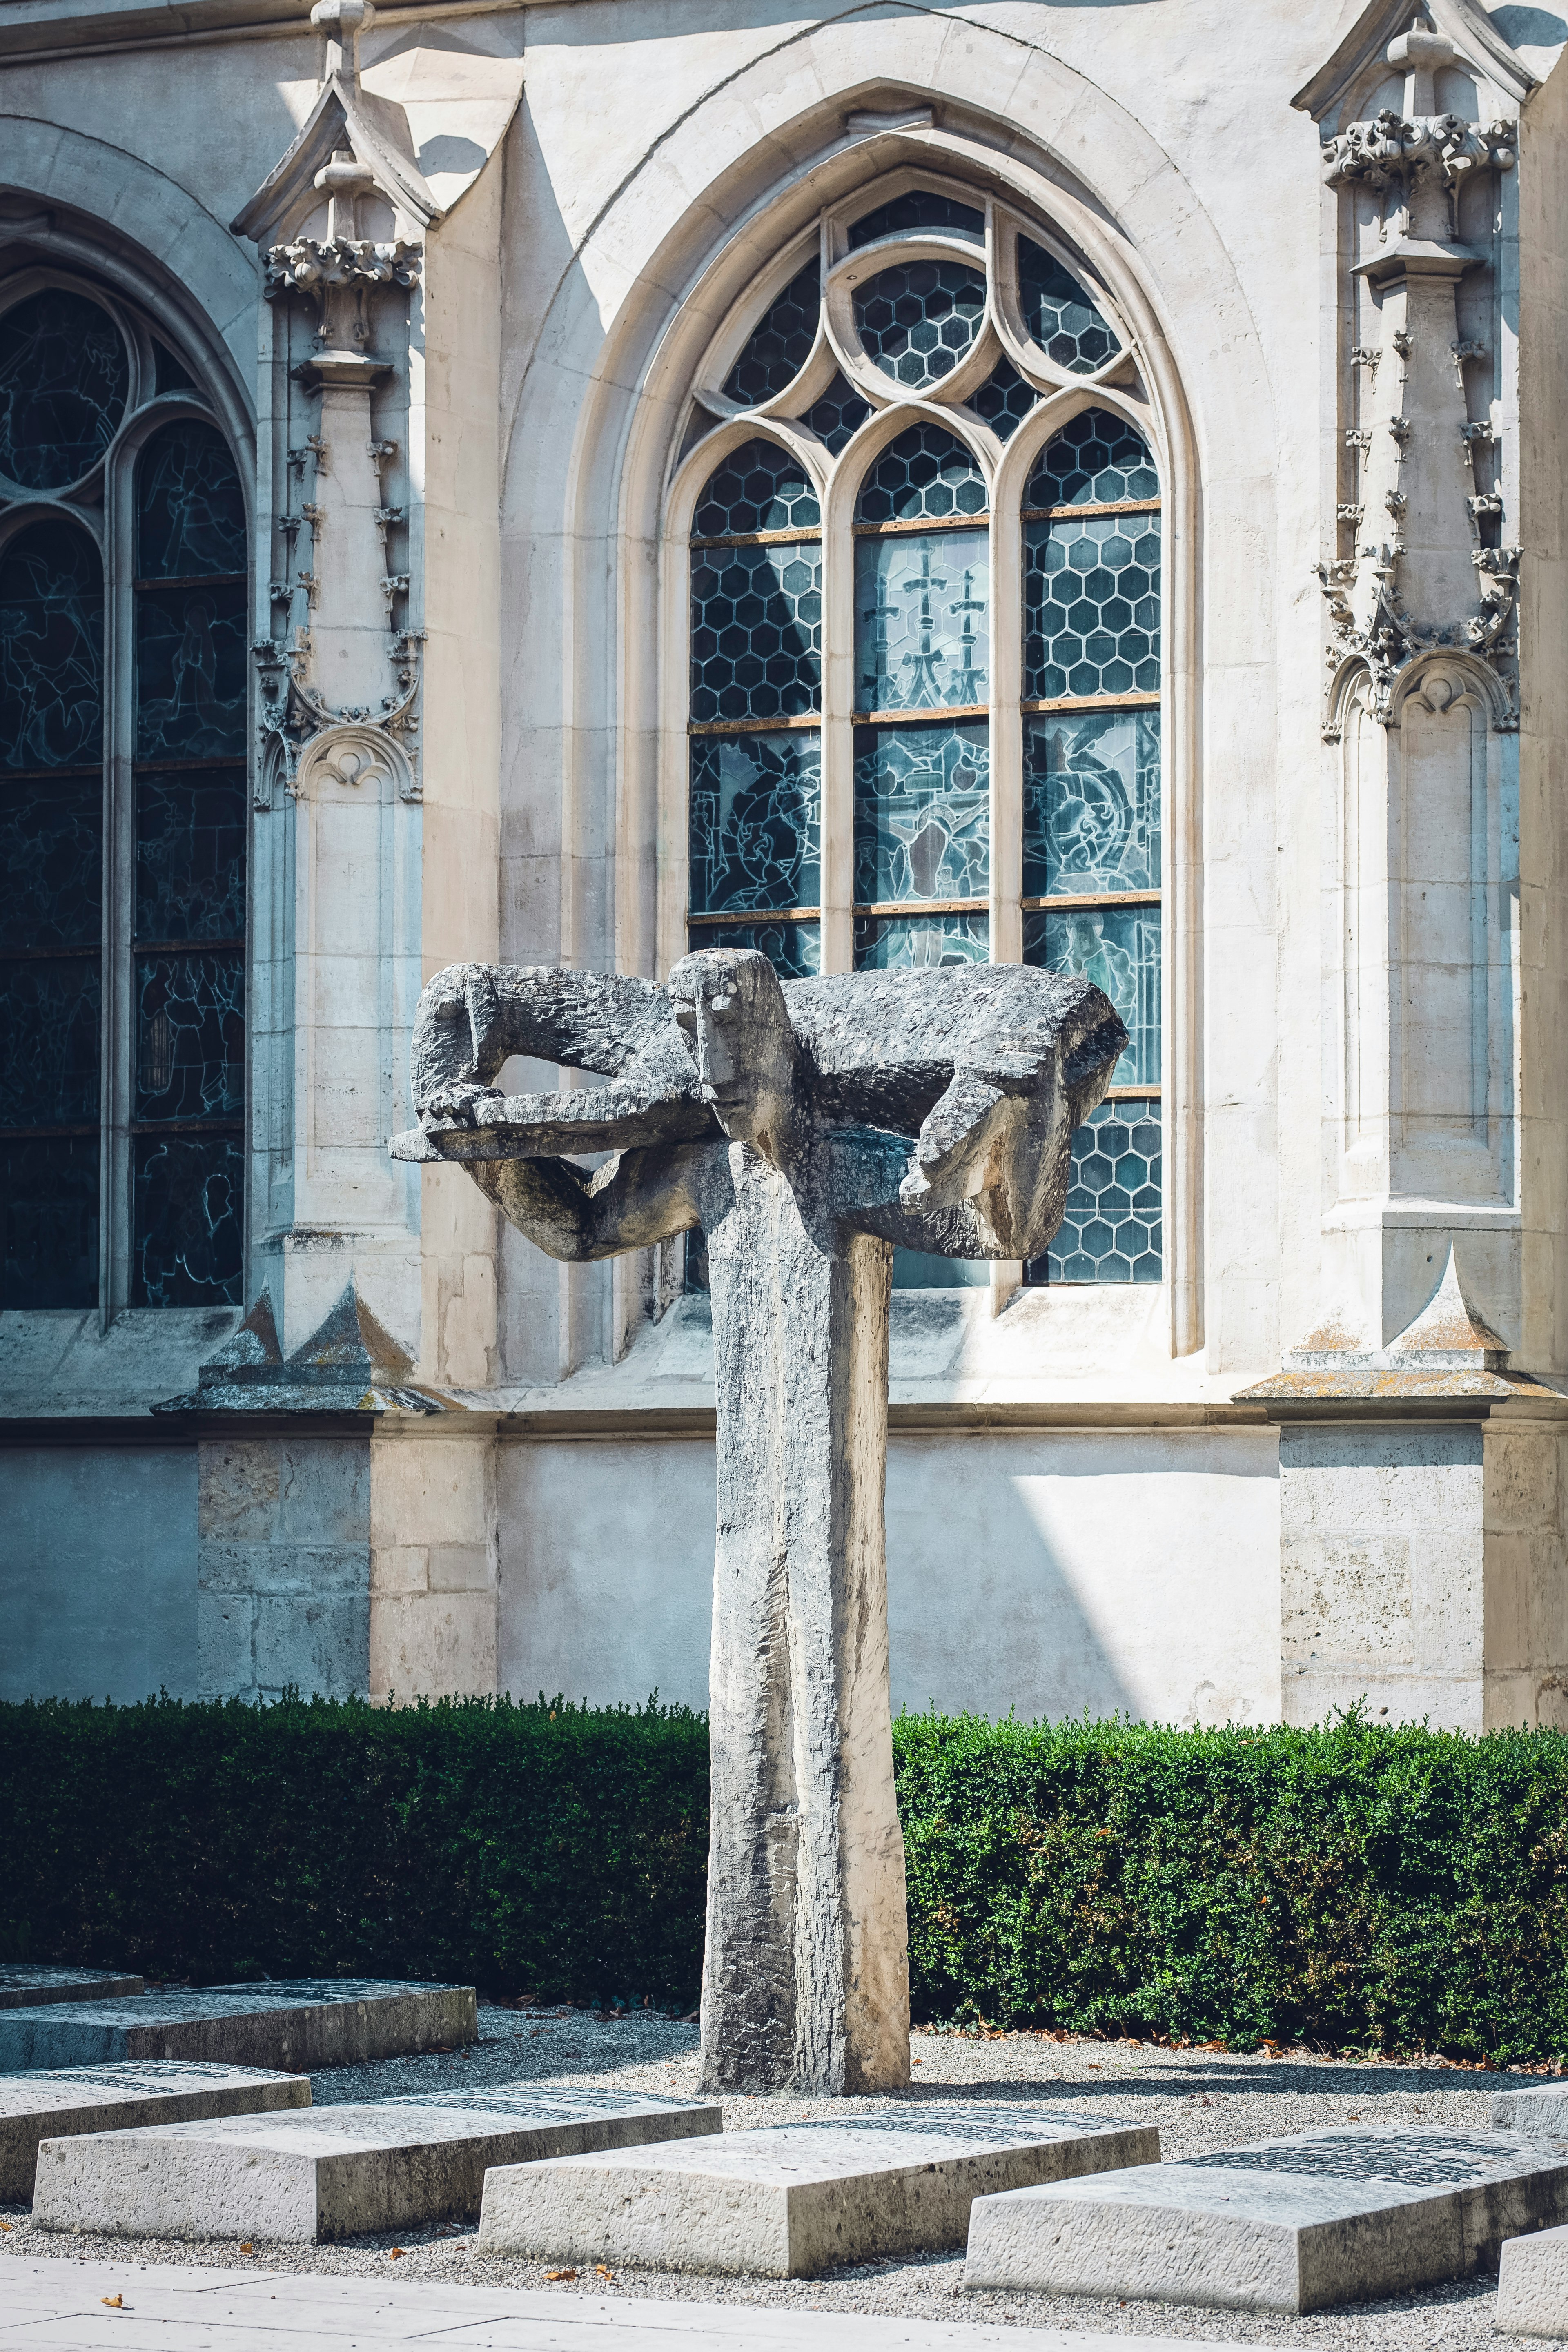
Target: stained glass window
[843, 795]
[169, 1019]
[755, 749]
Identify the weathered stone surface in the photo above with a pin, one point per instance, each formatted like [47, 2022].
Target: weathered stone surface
[23, 1987]
[58, 2104]
[809, 1127]
[1541, 2113]
[791, 2200]
[334, 2172]
[313, 2022]
[1295, 2225]
[1532, 2285]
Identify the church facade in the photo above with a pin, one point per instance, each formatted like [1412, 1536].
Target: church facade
[892, 487]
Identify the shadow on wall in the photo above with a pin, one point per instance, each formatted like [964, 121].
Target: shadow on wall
[1047, 1574]
[98, 1572]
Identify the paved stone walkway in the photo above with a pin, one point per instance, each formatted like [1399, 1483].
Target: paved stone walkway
[58, 2306]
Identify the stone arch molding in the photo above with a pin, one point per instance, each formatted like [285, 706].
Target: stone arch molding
[708, 213]
[362, 759]
[94, 205]
[1439, 678]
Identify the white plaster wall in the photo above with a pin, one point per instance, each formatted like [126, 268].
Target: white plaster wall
[1044, 1572]
[98, 1572]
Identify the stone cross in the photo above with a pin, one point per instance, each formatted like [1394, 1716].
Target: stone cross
[808, 1127]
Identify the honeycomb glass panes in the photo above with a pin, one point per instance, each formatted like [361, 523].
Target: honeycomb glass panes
[1058, 313]
[779, 347]
[925, 476]
[917, 319]
[1096, 460]
[51, 914]
[1004, 400]
[1111, 1231]
[1091, 801]
[837, 416]
[64, 375]
[917, 209]
[1091, 606]
[188, 973]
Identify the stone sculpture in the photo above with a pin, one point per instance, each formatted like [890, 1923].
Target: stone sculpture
[808, 1127]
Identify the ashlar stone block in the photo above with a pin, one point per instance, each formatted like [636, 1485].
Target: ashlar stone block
[297, 2026]
[1543, 2113]
[335, 2172]
[1532, 2285]
[60, 2103]
[1294, 2225]
[790, 2199]
[23, 1986]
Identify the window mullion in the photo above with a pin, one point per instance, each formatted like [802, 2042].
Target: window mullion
[120, 841]
[837, 740]
[1006, 736]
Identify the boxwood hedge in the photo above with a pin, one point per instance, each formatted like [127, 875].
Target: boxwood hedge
[1361, 1886]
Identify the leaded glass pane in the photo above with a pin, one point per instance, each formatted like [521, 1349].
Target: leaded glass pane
[781, 345]
[918, 319]
[1111, 1231]
[190, 1037]
[1091, 605]
[795, 950]
[190, 507]
[918, 208]
[49, 1042]
[1118, 948]
[1095, 460]
[1059, 314]
[756, 631]
[1091, 801]
[925, 476]
[919, 943]
[916, 1270]
[49, 1209]
[756, 821]
[837, 416]
[190, 854]
[63, 374]
[1004, 399]
[758, 486]
[191, 673]
[188, 1227]
[51, 861]
[168, 375]
[923, 812]
[51, 648]
[922, 621]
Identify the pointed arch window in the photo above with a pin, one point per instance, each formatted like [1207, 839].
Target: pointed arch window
[123, 597]
[925, 718]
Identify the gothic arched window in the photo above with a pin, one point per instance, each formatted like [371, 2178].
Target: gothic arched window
[124, 599]
[925, 679]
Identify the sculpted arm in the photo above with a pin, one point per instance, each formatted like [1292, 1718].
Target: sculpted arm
[635, 1200]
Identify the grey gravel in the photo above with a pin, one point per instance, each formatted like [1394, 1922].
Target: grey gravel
[1201, 2099]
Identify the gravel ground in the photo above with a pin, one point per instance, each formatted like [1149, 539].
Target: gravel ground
[1202, 2099]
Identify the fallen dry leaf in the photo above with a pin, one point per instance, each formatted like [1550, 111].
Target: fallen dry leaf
[7, 2227]
[602, 2272]
[396, 2255]
[115, 2302]
[555, 2276]
[247, 2248]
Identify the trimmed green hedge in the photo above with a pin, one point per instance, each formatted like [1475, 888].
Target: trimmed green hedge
[1359, 1886]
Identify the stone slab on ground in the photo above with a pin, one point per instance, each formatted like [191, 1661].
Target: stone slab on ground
[1532, 2285]
[69, 2100]
[335, 2172]
[59, 2306]
[25, 1986]
[1291, 2225]
[1541, 2113]
[289, 2027]
[791, 2200]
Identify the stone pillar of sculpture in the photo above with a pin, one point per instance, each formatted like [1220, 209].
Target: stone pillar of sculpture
[806, 1977]
[807, 1128]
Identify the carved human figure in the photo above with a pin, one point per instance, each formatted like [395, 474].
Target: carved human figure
[808, 1127]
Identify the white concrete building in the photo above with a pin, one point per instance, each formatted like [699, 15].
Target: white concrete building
[561, 483]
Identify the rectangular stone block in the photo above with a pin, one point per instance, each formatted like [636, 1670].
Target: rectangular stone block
[23, 1987]
[293, 2027]
[1543, 2113]
[61, 2102]
[1294, 2225]
[1532, 2285]
[335, 2172]
[790, 2199]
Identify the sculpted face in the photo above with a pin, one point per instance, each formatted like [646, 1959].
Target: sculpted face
[731, 1013]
